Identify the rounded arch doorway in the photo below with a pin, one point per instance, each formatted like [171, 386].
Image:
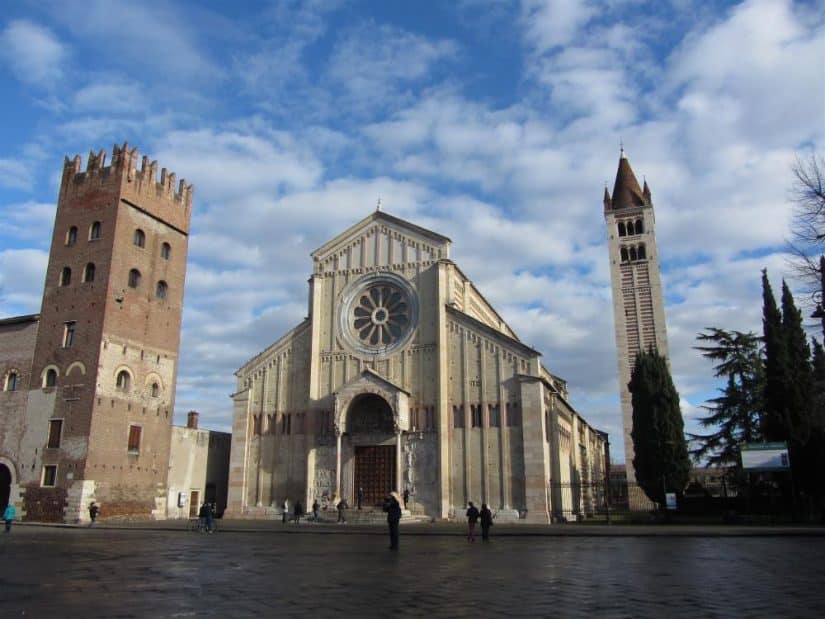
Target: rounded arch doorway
[371, 432]
[5, 486]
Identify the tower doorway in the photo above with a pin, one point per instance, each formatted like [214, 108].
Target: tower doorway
[5, 486]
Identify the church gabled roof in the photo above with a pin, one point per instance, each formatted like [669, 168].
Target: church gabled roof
[381, 216]
[626, 191]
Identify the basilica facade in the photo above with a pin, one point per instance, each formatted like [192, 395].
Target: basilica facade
[404, 378]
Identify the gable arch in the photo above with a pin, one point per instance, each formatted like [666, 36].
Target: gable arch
[76, 365]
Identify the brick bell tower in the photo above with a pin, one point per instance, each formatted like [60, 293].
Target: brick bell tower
[638, 302]
[106, 355]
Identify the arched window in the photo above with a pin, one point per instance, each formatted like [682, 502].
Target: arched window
[65, 276]
[622, 231]
[94, 231]
[155, 390]
[134, 278]
[71, 236]
[624, 254]
[140, 238]
[160, 291]
[89, 273]
[633, 256]
[639, 227]
[642, 253]
[11, 381]
[123, 380]
[165, 251]
[50, 379]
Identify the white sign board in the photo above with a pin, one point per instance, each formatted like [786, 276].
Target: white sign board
[765, 457]
[670, 501]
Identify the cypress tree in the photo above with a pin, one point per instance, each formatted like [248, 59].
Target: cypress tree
[661, 459]
[776, 366]
[797, 393]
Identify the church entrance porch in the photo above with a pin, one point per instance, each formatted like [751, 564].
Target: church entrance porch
[375, 472]
[5, 486]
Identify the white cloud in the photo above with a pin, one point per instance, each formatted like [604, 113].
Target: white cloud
[111, 95]
[22, 272]
[552, 23]
[33, 53]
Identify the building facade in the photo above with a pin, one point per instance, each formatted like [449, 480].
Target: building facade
[92, 416]
[403, 377]
[638, 302]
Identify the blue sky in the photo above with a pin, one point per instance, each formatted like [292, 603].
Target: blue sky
[496, 123]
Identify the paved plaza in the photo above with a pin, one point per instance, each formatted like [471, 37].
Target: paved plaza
[79, 572]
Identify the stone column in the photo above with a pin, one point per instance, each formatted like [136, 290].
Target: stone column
[398, 469]
[337, 464]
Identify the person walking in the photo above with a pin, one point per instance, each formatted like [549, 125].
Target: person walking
[360, 496]
[393, 508]
[406, 497]
[93, 511]
[341, 507]
[472, 518]
[298, 511]
[315, 507]
[486, 517]
[284, 511]
[203, 518]
[9, 515]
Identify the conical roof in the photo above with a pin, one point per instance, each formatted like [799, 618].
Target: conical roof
[626, 190]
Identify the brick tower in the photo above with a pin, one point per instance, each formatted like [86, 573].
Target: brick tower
[106, 354]
[638, 304]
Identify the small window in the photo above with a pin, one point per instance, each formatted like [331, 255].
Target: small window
[160, 291]
[123, 380]
[55, 429]
[622, 231]
[134, 439]
[458, 417]
[134, 278]
[11, 381]
[71, 236]
[140, 238]
[68, 333]
[65, 276]
[165, 251]
[633, 256]
[624, 254]
[639, 227]
[642, 253]
[476, 415]
[89, 273]
[94, 231]
[49, 475]
[155, 390]
[495, 416]
[50, 380]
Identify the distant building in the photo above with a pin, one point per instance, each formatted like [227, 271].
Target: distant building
[404, 377]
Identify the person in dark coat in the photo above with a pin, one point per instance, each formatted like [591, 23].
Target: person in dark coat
[360, 496]
[393, 508]
[315, 507]
[93, 510]
[341, 507]
[406, 497]
[203, 518]
[284, 511]
[298, 511]
[472, 518]
[486, 517]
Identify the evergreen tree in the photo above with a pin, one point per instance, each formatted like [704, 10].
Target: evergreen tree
[797, 393]
[736, 414]
[776, 366]
[661, 458]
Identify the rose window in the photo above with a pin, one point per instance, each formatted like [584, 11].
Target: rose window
[378, 313]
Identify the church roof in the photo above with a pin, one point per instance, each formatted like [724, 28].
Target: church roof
[626, 191]
[386, 218]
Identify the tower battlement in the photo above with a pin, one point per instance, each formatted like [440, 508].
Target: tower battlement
[165, 196]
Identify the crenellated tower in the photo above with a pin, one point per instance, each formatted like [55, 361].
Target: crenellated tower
[106, 355]
[638, 302]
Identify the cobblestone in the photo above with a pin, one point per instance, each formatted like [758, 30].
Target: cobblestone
[57, 572]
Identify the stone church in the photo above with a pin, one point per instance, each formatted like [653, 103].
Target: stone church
[404, 377]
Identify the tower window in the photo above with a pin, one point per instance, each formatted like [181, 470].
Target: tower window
[155, 390]
[134, 278]
[476, 415]
[50, 379]
[65, 276]
[11, 381]
[123, 380]
[71, 236]
[68, 333]
[134, 439]
[165, 251]
[624, 254]
[55, 429]
[94, 231]
[49, 475]
[642, 253]
[633, 255]
[639, 227]
[89, 273]
[622, 230]
[160, 291]
[140, 238]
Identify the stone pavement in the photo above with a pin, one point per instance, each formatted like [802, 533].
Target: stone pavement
[320, 572]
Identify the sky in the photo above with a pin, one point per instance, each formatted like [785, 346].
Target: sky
[496, 123]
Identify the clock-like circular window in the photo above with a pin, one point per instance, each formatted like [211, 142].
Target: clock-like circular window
[378, 314]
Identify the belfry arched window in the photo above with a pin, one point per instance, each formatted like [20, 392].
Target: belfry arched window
[140, 238]
[642, 254]
[123, 380]
[622, 230]
[639, 226]
[633, 255]
[624, 254]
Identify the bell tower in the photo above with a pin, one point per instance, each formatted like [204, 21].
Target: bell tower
[106, 355]
[638, 302]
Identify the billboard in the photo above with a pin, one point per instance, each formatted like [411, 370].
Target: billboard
[765, 457]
